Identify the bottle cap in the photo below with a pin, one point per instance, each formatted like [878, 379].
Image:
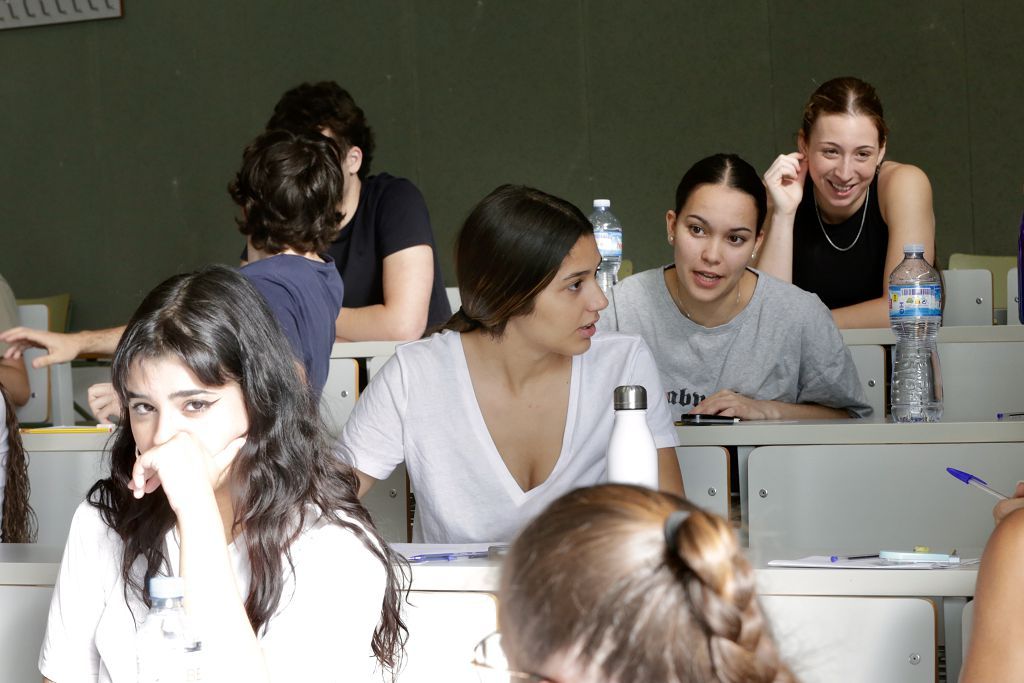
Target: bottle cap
[166, 587]
[913, 248]
[631, 397]
[602, 203]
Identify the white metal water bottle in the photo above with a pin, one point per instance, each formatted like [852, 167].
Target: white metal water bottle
[915, 314]
[165, 647]
[632, 455]
[608, 232]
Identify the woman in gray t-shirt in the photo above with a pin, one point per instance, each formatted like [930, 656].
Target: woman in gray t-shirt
[728, 339]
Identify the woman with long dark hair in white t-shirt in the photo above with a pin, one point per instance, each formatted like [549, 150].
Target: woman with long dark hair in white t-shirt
[510, 405]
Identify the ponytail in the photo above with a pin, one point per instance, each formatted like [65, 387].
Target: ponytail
[19, 520]
[719, 585]
[633, 584]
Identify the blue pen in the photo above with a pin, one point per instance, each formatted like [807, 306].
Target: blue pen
[447, 557]
[975, 481]
[836, 558]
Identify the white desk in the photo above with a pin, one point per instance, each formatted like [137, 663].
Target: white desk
[745, 436]
[27, 574]
[953, 586]
[61, 469]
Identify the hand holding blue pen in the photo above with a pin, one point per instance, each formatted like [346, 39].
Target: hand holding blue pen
[972, 480]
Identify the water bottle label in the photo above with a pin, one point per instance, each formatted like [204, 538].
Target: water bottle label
[609, 245]
[913, 301]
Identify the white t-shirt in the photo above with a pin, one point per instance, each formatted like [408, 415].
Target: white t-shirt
[421, 409]
[322, 628]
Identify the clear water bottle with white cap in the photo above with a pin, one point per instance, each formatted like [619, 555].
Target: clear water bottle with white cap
[915, 314]
[608, 232]
[632, 455]
[166, 648]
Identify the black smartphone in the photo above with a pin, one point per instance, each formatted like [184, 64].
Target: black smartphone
[701, 419]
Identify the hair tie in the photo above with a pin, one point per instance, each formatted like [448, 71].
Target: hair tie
[672, 524]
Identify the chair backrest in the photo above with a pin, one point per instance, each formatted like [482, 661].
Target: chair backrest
[59, 306]
[968, 295]
[340, 393]
[22, 628]
[980, 379]
[997, 265]
[869, 360]
[454, 298]
[865, 498]
[1012, 298]
[705, 472]
[878, 639]
[444, 626]
[37, 409]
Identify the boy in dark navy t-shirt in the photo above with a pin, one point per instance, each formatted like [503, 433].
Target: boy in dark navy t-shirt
[289, 188]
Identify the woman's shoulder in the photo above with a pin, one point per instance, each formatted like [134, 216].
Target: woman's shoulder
[895, 178]
[324, 540]
[90, 531]
[609, 348]
[641, 284]
[438, 347]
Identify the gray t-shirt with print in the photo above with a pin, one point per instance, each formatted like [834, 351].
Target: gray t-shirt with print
[783, 346]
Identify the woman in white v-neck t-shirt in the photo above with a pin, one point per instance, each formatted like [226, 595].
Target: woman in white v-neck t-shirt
[511, 405]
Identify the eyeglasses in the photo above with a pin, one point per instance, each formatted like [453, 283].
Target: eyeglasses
[492, 666]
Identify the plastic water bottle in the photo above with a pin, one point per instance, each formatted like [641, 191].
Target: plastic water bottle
[632, 455]
[165, 647]
[608, 232]
[915, 314]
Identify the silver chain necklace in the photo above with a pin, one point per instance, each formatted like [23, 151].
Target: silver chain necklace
[817, 212]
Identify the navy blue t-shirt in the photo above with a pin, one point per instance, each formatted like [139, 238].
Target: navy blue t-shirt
[305, 297]
[391, 216]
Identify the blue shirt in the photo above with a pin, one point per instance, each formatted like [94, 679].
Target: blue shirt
[305, 297]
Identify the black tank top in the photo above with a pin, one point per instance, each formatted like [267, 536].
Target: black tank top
[840, 278]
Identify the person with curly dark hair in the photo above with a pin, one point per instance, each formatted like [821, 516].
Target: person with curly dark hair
[288, 189]
[385, 251]
[621, 583]
[221, 473]
[17, 519]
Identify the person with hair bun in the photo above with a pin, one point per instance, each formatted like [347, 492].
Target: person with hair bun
[511, 405]
[730, 340]
[841, 213]
[221, 473]
[619, 583]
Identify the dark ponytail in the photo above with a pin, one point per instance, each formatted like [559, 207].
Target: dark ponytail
[19, 519]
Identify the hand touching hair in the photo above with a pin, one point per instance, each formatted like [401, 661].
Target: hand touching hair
[624, 583]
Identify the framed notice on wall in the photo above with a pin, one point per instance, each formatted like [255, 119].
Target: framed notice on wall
[24, 13]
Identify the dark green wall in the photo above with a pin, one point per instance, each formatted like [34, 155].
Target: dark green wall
[120, 136]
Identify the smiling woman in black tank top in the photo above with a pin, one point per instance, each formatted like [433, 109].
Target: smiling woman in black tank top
[840, 216]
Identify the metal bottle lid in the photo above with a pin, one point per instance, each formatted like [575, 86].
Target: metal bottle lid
[630, 397]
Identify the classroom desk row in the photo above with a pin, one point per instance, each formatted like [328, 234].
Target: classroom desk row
[63, 466]
[833, 624]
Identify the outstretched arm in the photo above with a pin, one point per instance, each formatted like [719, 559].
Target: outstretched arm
[730, 404]
[995, 653]
[60, 348]
[905, 199]
[408, 282]
[14, 377]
